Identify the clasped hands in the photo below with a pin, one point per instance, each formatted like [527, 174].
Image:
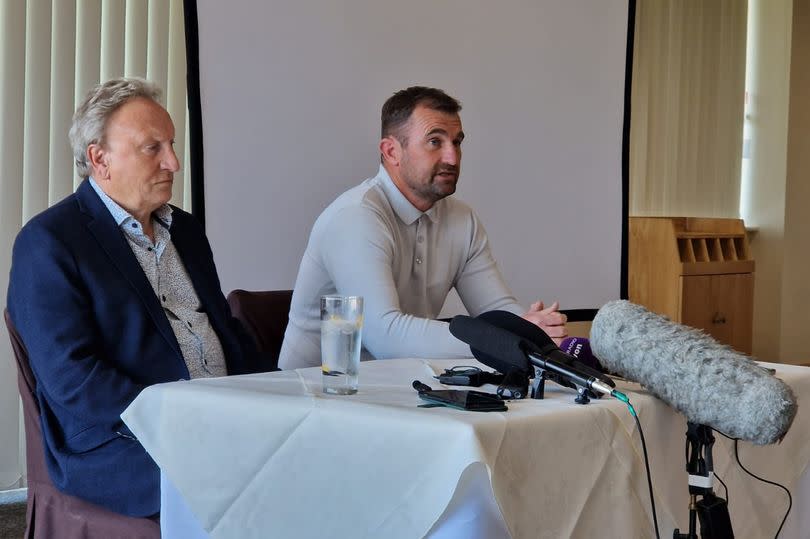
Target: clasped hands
[549, 319]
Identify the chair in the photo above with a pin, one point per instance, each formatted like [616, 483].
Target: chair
[50, 512]
[264, 315]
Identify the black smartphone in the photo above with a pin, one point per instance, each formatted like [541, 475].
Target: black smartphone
[462, 399]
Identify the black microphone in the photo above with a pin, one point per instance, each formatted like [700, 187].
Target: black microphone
[512, 352]
[706, 381]
[547, 348]
[494, 347]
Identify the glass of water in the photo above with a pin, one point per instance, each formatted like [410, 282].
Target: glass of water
[341, 329]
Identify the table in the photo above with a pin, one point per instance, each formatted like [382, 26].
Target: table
[270, 455]
[472, 513]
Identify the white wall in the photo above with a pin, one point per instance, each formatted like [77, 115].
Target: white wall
[764, 188]
[291, 95]
[795, 290]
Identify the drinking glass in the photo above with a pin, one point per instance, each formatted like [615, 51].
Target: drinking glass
[341, 330]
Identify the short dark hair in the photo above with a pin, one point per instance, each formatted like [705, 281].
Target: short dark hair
[397, 110]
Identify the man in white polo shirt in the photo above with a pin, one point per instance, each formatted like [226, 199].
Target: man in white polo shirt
[400, 241]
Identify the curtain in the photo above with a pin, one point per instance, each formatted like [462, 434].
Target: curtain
[687, 103]
[51, 53]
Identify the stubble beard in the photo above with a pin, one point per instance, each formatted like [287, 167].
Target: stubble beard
[435, 188]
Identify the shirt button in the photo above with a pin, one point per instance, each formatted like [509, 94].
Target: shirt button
[134, 225]
[420, 239]
[149, 249]
[163, 297]
[418, 260]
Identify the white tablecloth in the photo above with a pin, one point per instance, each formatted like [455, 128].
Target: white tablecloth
[262, 455]
[472, 513]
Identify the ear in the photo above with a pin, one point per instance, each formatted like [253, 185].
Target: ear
[391, 151]
[99, 161]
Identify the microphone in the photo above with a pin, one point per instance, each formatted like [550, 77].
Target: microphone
[530, 332]
[492, 346]
[706, 381]
[512, 352]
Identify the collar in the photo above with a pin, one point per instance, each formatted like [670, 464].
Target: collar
[163, 215]
[406, 211]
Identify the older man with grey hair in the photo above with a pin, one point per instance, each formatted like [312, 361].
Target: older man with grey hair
[112, 290]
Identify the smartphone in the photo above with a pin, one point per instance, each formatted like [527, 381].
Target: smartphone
[462, 399]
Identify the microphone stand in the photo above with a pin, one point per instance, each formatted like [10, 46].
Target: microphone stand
[538, 388]
[539, 384]
[712, 510]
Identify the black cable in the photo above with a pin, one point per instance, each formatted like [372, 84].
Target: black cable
[647, 466]
[790, 498]
[758, 478]
[724, 485]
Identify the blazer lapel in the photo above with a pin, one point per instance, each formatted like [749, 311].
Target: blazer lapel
[102, 226]
[207, 292]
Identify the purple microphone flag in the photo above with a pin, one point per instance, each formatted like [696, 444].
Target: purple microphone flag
[580, 348]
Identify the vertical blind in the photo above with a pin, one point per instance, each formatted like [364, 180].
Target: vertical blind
[51, 53]
[687, 107]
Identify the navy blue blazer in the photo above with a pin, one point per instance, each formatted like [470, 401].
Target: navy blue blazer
[97, 335]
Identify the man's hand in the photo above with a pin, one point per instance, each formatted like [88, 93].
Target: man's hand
[549, 319]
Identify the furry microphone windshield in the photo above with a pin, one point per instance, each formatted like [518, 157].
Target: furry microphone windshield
[706, 381]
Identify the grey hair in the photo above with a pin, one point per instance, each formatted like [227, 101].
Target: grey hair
[90, 119]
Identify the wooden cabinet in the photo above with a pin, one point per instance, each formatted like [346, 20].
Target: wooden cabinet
[696, 271]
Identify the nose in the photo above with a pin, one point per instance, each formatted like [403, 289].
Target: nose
[170, 161]
[452, 155]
